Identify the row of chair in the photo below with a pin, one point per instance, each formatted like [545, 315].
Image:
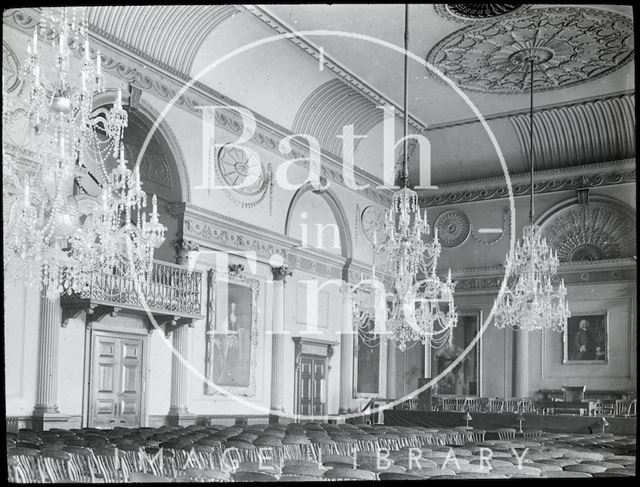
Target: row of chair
[483, 404]
[190, 454]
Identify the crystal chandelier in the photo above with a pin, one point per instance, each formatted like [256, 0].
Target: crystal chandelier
[54, 235]
[415, 312]
[530, 301]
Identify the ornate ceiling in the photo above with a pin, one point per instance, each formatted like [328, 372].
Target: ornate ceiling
[569, 46]
[317, 84]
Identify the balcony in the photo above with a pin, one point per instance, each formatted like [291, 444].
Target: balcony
[171, 291]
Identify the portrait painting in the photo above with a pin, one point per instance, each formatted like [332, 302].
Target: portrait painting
[231, 333]
[464, 378]
[586, 339]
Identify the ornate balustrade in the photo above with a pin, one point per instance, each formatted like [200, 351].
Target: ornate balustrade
[171, 290]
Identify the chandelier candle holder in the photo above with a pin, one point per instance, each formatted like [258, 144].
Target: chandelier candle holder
[50, 238]
[415, 313]
[530, 302]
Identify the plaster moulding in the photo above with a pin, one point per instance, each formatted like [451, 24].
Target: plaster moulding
[132, 66]
[571, 45]
[592, 175]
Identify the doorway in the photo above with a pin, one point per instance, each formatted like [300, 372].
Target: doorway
[116, 381]
[312, 385]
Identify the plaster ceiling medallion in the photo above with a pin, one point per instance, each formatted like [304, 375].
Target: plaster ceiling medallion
[453, 227]
[591, 232]
[464, 12]
[568, 45]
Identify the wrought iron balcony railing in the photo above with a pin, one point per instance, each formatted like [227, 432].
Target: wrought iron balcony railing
[171, 290]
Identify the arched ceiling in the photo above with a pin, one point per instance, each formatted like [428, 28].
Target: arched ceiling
[316, 83]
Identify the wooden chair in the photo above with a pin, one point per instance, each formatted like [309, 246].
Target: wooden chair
[346, 473]
[510, 404]
[506, 433]
[144, 477]
[84, 462]
[203, 475]
[26, 465]
[111, 466]
[253, 477]
[494, 405]
[59, 467]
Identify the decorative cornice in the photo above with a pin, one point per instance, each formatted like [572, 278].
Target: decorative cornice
[164, 82]
[592, 175]
[573, 273]
[580, 134]
[209, 229]
[310, 48]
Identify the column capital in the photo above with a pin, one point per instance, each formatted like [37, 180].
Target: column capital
[280, 273]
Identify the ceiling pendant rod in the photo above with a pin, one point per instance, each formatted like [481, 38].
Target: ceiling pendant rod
[405, 161]
[531, 215]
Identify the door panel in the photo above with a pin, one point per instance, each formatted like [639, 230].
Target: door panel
[311, 400]
[116, 381]
[131, 383]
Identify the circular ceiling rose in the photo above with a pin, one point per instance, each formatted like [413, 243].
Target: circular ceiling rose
[476, 11]
[453, 228]
[569, 46]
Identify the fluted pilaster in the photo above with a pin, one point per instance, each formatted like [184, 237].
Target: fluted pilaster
[277, 340]
[179, 377]
[392, 390]
[346, 349]
[47, 381]
[521, 363]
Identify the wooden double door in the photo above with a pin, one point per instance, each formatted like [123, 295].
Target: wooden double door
[312, 387]
[117, 380]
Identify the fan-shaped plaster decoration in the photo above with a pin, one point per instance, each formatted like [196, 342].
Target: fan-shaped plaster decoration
[569, 45]
[591, 232]
[461, 12]
[453, 228]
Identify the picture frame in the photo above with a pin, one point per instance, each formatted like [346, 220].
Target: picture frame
[369, 350]
[231, 333]
[466, 378]
[588, 345]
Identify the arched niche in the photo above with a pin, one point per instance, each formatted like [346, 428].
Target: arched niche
[162, 167]
[310, 208]
[597, 229]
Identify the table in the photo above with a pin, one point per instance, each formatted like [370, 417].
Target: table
[552, 406]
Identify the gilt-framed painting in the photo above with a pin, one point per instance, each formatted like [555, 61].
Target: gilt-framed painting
[586, 338]
[231, 332]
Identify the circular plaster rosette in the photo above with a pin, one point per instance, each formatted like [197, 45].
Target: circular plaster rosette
[453, 228]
